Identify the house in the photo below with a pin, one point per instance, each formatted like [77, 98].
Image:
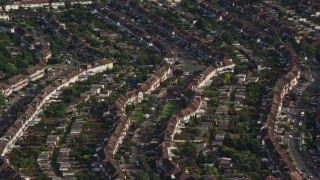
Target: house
[222, 110]
[225, 163]
[17, 82]
[57, 4]
[34, 72]
[238, 105]
[26, 4]
[15, 130]
[43, 157]
[108, 78]
[193, 109]
[65, 166]
[204, 78]
[151, 84]
[95, 90]
[102, 66]
[241, 77]
[68, 174]
[4, 16]
[52, 140]
[112, 171]
[171, 127]
[8, 172]
[5, 89]
[219, 138]
[76, 127]
[63, 157]
[154, 81]
[119, 132]
[167, 167]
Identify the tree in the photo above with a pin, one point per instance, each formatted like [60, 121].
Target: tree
[212, 171]
[10, 69]
[200, 24]
[228, 141]
[228, 38]
[142, 175]
[69, 94]
[27, 56]
[308, 113]
[116, 68]
[67, 4]
[226, 78]
[292, 41]
[166, 83]
[201, 159]
[281, 14]
[129, 109]
[188, 148]
[306, 98]
[211, 158]
[85, 175]
[284, 146]
[140, 60]
[213, 133]
[178, 72]
[55, 60]
[2, 100]
[253, 144]
[56, 110]
[226, 151]
[2, 2]
[155, 59]
[307, 48]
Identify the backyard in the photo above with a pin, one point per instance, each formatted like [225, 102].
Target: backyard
[167, 111]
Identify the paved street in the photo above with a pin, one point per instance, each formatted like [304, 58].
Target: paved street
[303, 161]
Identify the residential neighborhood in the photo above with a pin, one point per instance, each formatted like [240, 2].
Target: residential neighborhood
[162, 89]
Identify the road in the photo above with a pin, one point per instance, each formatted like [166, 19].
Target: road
[302, 160]
[186, 57]
[144, 135]
[19, 101]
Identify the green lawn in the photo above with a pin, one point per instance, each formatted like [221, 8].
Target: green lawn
[168, 110]
[138, 114]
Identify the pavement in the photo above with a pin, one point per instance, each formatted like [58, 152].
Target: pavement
[139, 140]
[303, 161]
[142, 135]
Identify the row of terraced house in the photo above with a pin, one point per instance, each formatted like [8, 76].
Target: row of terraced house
[137, 32]
[196, 108]
[79, 44]
[276, 153]
[30, 74]
[161, 26]
[14, 5]
[121, 122]
[14, 131]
